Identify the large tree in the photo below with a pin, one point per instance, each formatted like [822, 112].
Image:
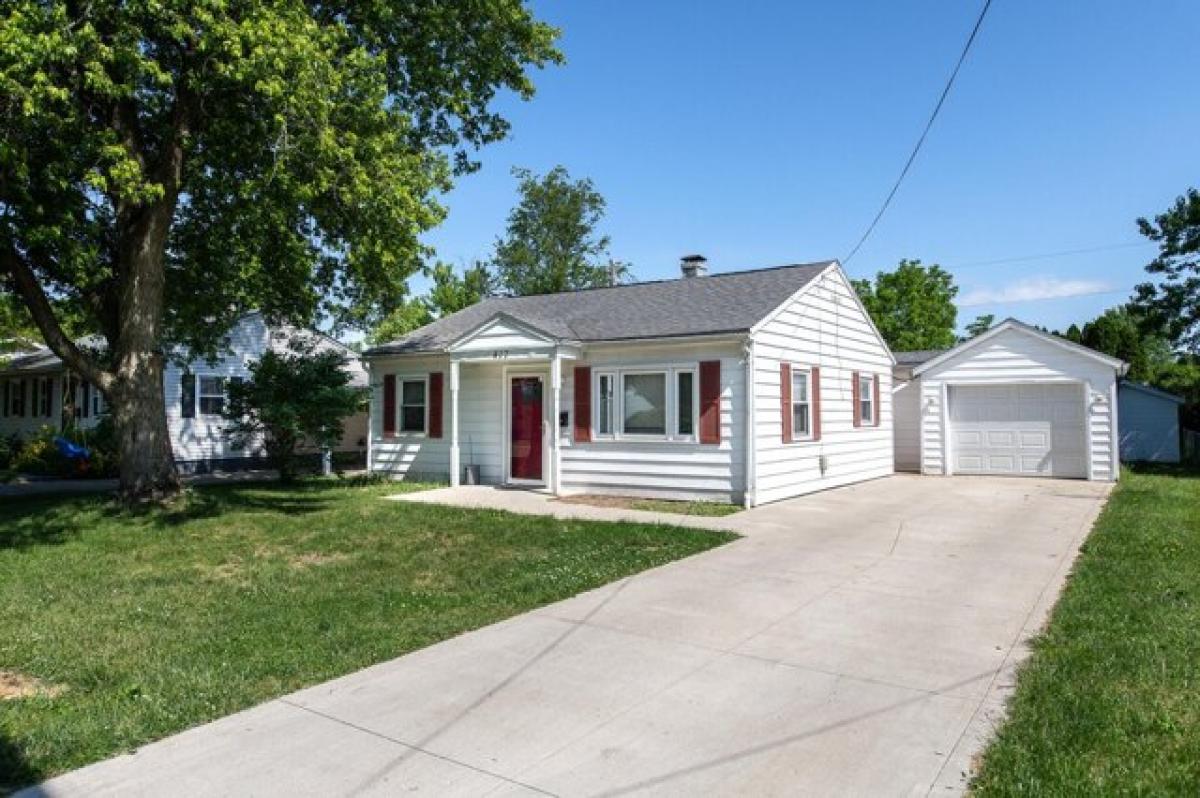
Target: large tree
[1173, 302]
[168, 165]
[1122, 333]
[913, 306]
[552, 242]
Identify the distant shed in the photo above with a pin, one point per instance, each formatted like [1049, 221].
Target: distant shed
[1149, 428]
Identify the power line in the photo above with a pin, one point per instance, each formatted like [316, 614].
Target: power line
[936, 109]
[1047, 255]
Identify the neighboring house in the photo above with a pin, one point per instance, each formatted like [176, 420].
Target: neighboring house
[1149, 423]
[749, 387]
[38, 391]
[1013, 401]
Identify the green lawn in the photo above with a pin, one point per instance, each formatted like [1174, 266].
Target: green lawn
[685, 508]
[137, 626]
[1109, 704]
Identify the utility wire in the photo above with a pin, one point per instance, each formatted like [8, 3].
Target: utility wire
[1046, 255]
[936, 109]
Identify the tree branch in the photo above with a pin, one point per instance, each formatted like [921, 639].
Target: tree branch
[35, 298]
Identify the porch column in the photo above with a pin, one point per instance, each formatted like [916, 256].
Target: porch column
[555, 433]
[455, 468]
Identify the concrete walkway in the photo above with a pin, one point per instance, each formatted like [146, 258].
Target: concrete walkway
[533, 502]
[858, 641]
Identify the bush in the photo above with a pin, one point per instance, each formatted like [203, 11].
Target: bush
[40, 456]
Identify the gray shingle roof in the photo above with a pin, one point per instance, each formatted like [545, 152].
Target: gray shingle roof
[917, 357]
[718, 303]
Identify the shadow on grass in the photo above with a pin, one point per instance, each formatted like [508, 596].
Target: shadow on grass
[54, 520]
[1178, 470]
[15, 770]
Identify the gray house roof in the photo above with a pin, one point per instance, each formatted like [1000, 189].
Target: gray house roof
[916, 357]
[730, 302]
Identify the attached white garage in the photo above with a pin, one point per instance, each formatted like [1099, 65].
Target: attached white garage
[1014, 401]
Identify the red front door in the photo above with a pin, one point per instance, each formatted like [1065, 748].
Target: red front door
[525, 459]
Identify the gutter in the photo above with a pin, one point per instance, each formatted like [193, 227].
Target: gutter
[749, 489]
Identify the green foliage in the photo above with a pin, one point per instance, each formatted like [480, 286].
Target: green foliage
[292, 399]
[913, 306]
[448, 294]
[981, 325]
[39, 456]
[155, 621]
[1172, 303]
[552, 242]
[281, 156]
[1120, 332]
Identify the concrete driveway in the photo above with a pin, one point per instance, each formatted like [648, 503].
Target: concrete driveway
[856, 642]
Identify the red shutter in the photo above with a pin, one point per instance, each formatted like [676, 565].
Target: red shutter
[876, 407]
[710, 401]
[855, 397]
[816, 403]
[389, 404]
[435, 404]
[785, 400]
[583, 404]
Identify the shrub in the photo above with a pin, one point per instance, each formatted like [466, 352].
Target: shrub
[40, 456]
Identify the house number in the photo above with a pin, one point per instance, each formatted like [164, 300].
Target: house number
[499, 354]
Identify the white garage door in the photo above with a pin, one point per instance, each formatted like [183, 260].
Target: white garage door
[1018, 430]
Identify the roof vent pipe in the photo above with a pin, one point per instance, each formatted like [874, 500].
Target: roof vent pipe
[693, 265]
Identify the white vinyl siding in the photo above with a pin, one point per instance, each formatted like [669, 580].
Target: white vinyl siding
[1012, 358]
[825, 327]
[654, 467]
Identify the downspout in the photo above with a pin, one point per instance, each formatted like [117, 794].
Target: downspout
[748, 497]
[370, 415]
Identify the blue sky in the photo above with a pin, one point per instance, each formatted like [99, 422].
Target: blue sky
[767, 133]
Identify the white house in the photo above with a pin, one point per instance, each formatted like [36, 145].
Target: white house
[1149, 423]
[748, 386]
[1014, 401]
[36, 391]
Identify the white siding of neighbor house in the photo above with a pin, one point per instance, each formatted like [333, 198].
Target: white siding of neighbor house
[906, 401]
[1149, 426]
[1012, 357]
[201, 438]
[827, 327]
[664, 469]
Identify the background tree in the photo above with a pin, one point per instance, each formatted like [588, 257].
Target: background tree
[982, 324]
[1173, 303]
[913, 306]
[552, 243]
[449, 293]
[168, 166]
[1119, 332]
[293, 399]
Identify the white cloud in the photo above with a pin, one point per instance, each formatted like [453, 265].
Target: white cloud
[1032, 289]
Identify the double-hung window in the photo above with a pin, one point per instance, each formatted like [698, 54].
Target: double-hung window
[413, 405]
[212, 395]
[801, 403]
[866, 398]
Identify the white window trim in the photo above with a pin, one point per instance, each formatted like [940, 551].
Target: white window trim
[200, 394]
[798, 437]
[670, 372]
[867, 398]
[400, 431]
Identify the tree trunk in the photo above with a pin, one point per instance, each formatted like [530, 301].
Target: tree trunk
[147, 471]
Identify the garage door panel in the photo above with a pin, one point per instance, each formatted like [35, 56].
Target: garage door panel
[1030, 430]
